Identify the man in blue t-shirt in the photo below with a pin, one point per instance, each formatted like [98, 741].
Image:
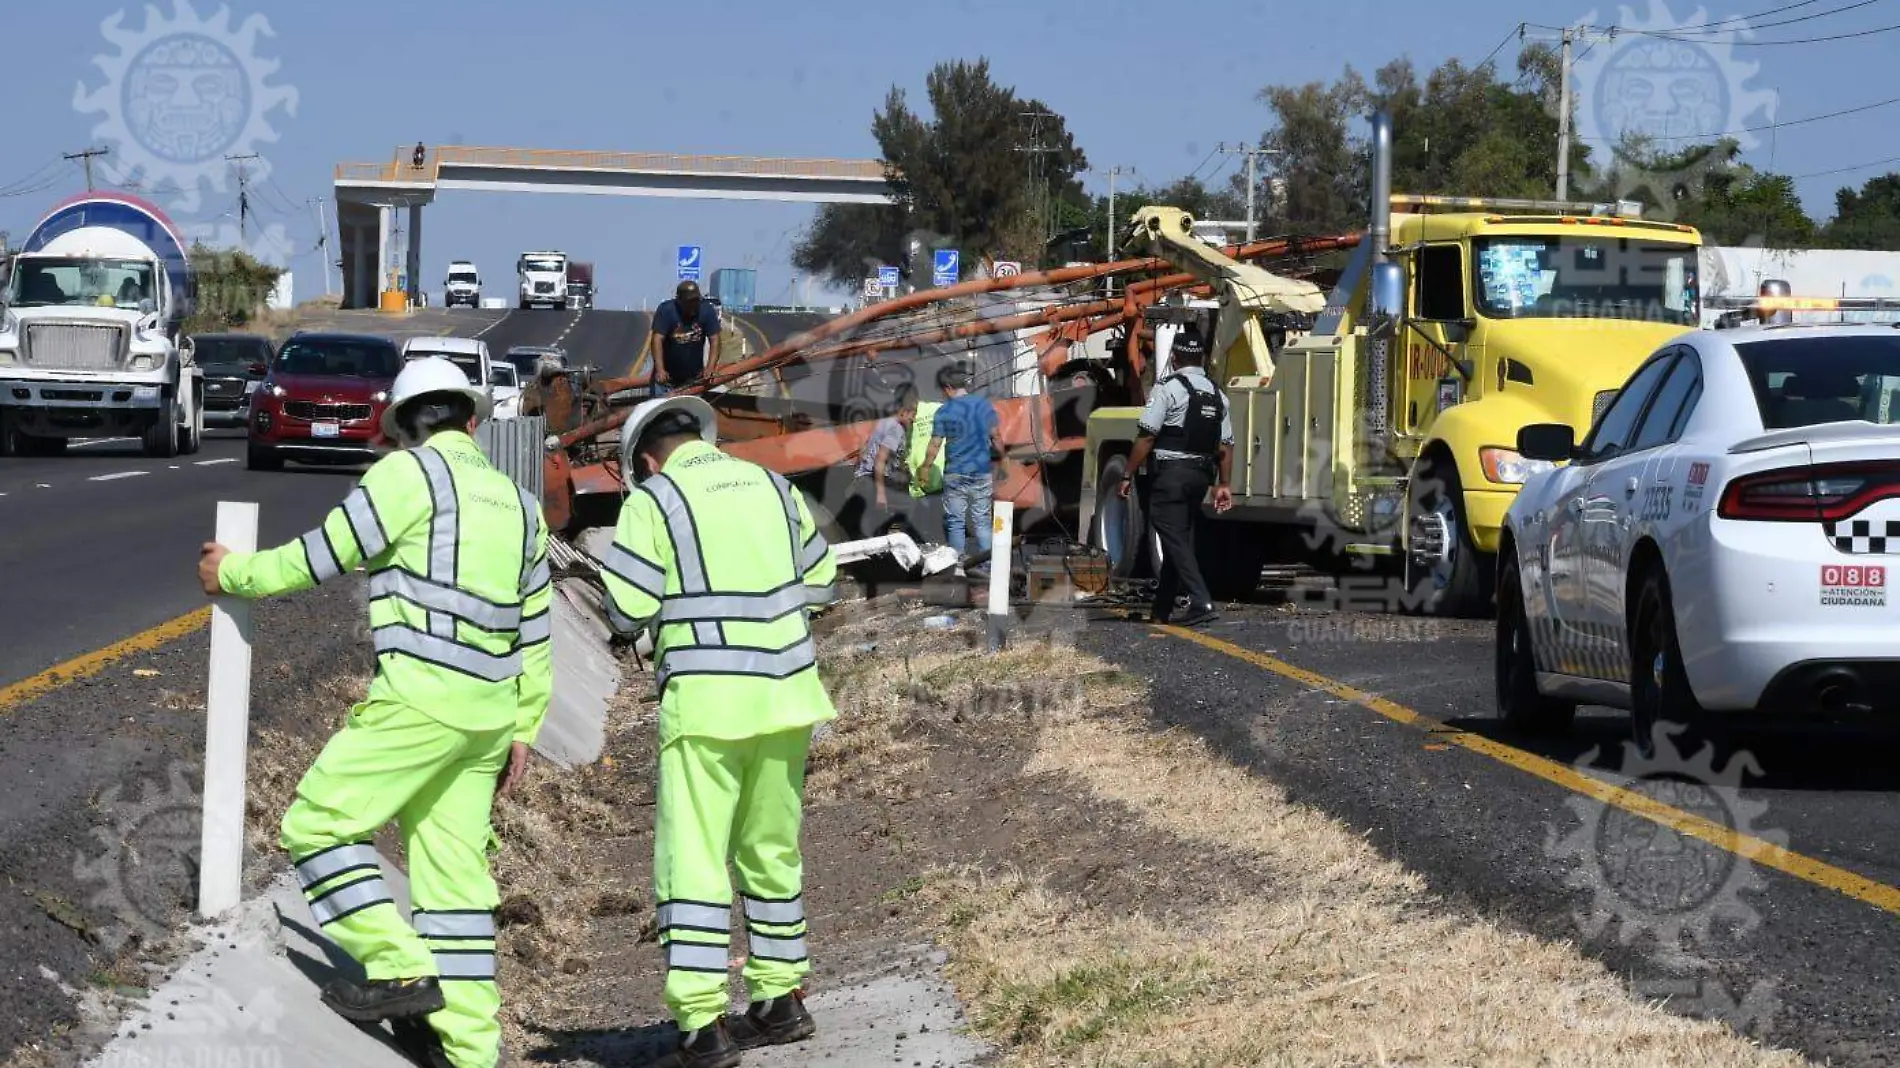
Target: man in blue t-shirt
[676, 348]
[967, 425]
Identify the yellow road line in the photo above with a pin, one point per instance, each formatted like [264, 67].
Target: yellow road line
[98, 660]
[1808, 869]
[764, 342]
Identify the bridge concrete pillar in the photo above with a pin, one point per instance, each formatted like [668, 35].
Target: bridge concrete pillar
[356, 226]
[385, 223]
[413, 262]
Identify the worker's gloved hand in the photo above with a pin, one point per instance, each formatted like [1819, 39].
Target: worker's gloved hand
[517, 768]
[210, 555]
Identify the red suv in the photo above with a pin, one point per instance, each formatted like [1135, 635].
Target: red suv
[322, 401]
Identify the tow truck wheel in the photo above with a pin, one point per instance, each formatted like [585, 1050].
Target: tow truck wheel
[1519, 703]
[1660, 694]
[1444, 569]
[1119, 524]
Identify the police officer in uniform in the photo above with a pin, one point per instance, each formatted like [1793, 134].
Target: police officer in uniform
[723, 557]
[1186, 428]
[460, 592]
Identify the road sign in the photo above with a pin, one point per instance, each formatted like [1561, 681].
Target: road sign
[945, 270]
[873, 288]
[689, 263]
[1008, 269]
[887, 276]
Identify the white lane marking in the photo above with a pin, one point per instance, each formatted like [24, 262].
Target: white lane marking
[90, 442]
[491, 326]
[42, 485]
[119, 475]
[174, 467]
[214, 463]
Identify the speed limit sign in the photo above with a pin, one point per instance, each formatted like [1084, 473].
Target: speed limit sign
[1008, 268]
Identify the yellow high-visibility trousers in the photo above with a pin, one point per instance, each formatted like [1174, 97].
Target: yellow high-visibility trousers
[741, 802]
[393, 762]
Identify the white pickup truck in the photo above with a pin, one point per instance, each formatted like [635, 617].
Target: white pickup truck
[543, 278]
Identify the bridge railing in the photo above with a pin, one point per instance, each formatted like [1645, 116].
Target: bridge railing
[401, 167]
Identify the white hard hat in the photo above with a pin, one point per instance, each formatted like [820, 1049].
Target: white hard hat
[426, 375]
[643, 417]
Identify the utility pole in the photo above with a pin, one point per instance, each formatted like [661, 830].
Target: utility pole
[1563, 120]
[1038, 182]
[244, 196]
[323, 242]
[86, 158]
[1567, 40]
[1108, 239]
[1253, 174]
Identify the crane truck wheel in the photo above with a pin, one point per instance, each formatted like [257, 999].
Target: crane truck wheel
[1445, 572]
[1120, 526]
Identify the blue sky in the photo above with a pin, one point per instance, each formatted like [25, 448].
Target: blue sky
[1140, 87]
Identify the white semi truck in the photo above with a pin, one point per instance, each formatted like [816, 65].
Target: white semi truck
[543, 279]
[90, 332]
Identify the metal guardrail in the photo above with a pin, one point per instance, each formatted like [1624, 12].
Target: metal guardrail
[514, 446]
[401, 168]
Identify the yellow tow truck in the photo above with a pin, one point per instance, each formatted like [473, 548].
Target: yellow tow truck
[1385, 426]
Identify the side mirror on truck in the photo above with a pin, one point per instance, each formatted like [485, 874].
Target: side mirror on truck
[1388, 298]
[1550, 442]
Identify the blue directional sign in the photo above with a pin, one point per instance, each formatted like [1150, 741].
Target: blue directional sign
[945, 269]
[690, 258]
[887, 276]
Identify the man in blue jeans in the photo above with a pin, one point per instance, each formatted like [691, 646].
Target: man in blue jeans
[966, 429]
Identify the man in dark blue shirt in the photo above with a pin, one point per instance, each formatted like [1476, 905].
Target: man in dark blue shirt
[676, 348]
[967, 424]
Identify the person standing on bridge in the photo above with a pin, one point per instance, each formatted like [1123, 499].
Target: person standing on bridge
[683, 328]
[460, 593]
[722, 556]
[1187, 429]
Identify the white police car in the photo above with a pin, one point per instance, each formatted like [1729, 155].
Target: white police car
[1722, 541]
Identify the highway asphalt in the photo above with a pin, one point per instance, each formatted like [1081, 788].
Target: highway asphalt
[1499, 826]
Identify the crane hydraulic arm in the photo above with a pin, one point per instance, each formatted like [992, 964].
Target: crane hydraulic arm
[1245, 292]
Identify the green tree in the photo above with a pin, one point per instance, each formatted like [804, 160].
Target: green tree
[232, 286]
[1709, 188]
[959, 177]
[1867, 219]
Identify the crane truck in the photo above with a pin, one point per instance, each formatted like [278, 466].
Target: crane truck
[90, 326]
[1384, 427]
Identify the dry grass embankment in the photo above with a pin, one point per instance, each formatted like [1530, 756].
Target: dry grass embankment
[1313, 949]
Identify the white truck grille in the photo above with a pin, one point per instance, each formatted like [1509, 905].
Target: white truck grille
[74, 346]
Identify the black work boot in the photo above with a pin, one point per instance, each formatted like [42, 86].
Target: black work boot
[419, 1042]
[707, 1047]
[384, 999]
[773, 1022]
[1198, 616]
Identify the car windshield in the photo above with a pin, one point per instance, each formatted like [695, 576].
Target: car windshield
[525, 360]
[1586, 278]
[41, 283]
[470, 364]
[503, 374]
[1805, 381]
[354, 359]
[543, 263]
[461, 277]
[230, 355]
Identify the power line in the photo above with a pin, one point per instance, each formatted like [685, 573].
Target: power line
[1770, 44]
[1516, 31]
[1844, 170]
[1889, 102]
[86, 157]
[1714, 27]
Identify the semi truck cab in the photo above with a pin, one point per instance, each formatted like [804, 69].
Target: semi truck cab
[543, 279]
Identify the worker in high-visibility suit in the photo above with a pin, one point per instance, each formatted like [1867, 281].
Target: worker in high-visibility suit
[459, 607]
[723, 558]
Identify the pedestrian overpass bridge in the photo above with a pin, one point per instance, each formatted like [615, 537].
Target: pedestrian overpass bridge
[368, 195]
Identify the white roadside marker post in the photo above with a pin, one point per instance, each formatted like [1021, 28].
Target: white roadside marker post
[1002, 529]
[227, 728]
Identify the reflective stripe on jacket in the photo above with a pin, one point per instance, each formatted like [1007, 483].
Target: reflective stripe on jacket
[459, 583]
[723, 556]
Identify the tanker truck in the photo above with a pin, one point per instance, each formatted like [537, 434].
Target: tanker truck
[90, 323]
